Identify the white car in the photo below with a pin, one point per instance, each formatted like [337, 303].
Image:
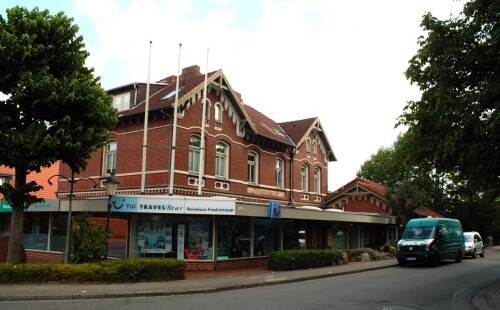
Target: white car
[473, 244]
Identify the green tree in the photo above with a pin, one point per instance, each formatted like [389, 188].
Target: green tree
[55, 108]
[408, 185]
[456, 123]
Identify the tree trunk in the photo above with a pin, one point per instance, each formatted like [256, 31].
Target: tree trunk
[17, 220]
[16, 235]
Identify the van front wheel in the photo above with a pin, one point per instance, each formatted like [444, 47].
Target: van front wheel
[458, 259]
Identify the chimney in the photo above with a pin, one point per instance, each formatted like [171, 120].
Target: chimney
[190, 72]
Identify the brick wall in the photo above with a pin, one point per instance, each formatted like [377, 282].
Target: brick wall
[43, 257]
[225, 264]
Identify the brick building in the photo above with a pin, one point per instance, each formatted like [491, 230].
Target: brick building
[219, 185]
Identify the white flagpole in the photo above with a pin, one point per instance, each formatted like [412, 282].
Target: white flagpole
[202, 146]
[174, 132]
[145, 138]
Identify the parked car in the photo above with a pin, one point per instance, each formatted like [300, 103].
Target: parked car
[473, 244]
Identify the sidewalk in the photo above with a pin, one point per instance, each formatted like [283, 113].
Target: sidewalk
[207, 282]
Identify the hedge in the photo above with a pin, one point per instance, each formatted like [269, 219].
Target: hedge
[303, 259]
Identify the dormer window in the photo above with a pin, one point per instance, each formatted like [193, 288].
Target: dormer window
[121, 102]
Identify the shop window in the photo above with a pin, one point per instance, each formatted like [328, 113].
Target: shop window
[304, 176]
[280, 173]
[110, 157]
[161, 235]
[194, 153]
[253, 161]
[234, 237]
[118, 228]
[266, 236]
[58, 232]
[221, 160]
[36, 231]
[294, 234]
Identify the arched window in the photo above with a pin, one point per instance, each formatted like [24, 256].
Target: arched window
[280, 173]
[207, 111]
[317, 181]
[218, 113]
[221, 160]
[304, 176]
[315, 148]
[110, 157]
[253, 167]
[194, 153]
[308, 146]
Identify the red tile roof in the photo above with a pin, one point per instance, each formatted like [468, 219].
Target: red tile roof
[192, 81]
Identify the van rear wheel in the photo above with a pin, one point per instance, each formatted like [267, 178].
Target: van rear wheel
[435, 260]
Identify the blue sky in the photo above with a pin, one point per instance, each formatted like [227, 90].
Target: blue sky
[342, 61]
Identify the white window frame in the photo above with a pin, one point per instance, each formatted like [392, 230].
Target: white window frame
[253, 168]
[218, 113]
[110, 157]
[308, 146]
[304, 177]
[194, 154]
[280, 173]
[317, 181]
[315, 148]
[121, 102]
[222, 160]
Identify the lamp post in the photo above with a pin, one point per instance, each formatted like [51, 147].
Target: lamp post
[111, 187]
[72, 183]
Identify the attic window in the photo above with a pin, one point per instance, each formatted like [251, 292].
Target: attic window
[278, 132]
[171, 94]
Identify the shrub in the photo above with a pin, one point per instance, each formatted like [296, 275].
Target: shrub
[89, 240]
[302, 259]
[107, 271]
[355, 254]
[388, 248]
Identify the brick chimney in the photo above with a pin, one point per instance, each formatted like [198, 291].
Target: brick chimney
[190, 72]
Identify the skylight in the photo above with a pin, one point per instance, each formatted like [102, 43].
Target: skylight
[171, 94]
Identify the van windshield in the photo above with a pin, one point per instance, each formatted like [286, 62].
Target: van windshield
[419, 232]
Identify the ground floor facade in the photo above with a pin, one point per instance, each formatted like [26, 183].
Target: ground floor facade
[207, 232]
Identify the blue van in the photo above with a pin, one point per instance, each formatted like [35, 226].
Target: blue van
[431, 240]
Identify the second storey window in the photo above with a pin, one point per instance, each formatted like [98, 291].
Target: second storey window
[303, 178]
[317, 181]
[194, 154]
[252, 167]
[110, 157]
[221, 160]
[280, 173]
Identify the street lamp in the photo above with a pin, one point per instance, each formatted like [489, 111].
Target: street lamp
[72, 182]
[111, 187]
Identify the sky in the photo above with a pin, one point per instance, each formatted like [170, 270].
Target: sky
[341, 61]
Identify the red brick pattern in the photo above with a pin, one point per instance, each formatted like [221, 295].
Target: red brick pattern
[43, 257]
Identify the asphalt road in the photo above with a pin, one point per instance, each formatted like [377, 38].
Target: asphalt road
[450, 286]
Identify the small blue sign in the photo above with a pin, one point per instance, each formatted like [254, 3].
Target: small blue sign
[275, 210]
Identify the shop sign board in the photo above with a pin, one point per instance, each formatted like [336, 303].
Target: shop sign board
[50, 205]
[173, 205]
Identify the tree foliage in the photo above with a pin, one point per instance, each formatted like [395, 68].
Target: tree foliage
[55, 108]
[456, 123]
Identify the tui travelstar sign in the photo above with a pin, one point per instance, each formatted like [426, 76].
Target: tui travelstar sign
[174, 205]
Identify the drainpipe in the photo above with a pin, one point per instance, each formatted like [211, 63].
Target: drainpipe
[136, 94]
[291, 203]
